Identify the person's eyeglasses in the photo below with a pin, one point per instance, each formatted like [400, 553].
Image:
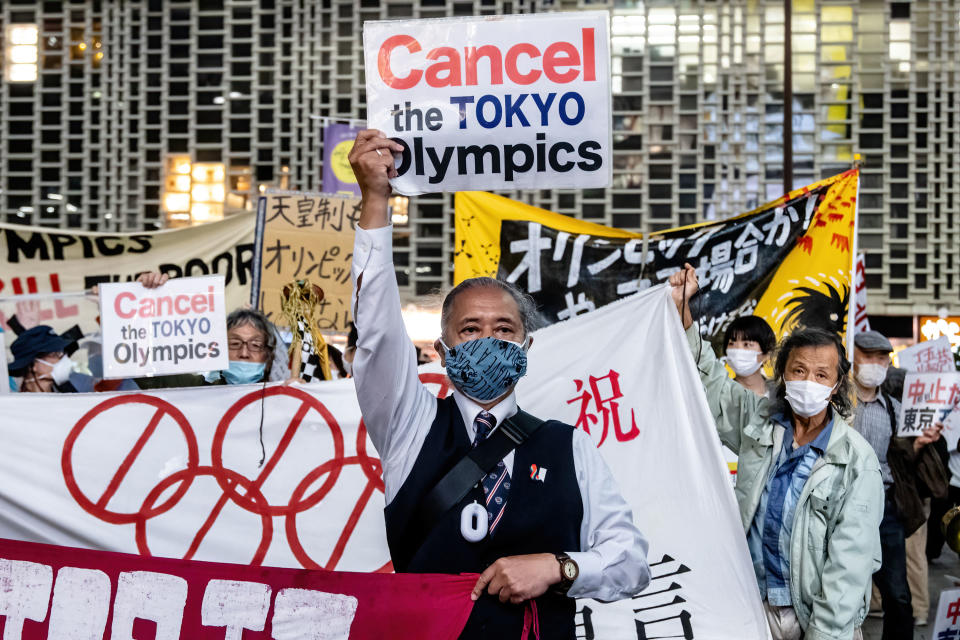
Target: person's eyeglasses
[253, 346]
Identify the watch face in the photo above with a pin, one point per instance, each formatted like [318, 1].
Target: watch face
[570, 570]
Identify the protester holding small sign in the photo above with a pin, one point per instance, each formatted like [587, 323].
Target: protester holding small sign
[530, 506]
[251, 345]
[908, 467]
[809, 486]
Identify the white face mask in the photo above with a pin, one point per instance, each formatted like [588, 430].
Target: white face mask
[743, 361]
[348, 367]
[59, 370]
[871, 375]
[808, 398]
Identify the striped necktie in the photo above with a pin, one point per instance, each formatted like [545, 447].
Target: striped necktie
[496, 484]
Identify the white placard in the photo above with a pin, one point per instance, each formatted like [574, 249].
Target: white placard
[928, 398]
[493, 102]
[180, 327]
[928, 357]
[4, 376]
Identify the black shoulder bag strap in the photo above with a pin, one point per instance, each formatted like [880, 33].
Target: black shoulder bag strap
[481, 460]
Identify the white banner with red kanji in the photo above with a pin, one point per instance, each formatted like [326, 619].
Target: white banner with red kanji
[286, 476]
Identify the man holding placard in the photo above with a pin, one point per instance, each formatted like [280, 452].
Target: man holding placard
[473, 484]
[876, 420]
[497, 102]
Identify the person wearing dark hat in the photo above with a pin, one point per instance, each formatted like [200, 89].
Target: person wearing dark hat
[901, 460]
[39, 359]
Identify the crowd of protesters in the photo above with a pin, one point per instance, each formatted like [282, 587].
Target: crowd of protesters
[834, 504]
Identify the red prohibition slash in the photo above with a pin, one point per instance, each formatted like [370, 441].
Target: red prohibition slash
[186, 476]
[307, 402]
[99, 508]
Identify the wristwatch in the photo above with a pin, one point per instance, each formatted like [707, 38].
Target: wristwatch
[569, 571]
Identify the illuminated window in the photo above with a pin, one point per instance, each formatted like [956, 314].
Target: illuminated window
[21, 54]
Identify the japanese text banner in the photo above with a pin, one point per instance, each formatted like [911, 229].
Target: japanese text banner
[98, 594]
[181, 473]
[788, 261]
[307, 237]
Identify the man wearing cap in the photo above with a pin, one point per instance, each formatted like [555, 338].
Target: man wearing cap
[876, 420]
[39, 358]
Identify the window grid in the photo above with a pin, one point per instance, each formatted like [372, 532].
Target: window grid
[697, 116]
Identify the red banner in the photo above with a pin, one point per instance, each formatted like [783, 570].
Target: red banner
[67, 593]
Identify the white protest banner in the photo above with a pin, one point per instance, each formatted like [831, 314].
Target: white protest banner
[860, 319]
[493, 102]
[946, 626]
[928, 357]
[180, 327]
[47, 263]
[928, 398]
[177, 473]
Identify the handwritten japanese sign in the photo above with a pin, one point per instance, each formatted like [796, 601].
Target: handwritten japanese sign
[928, 398]
[307, 237]
[928, 357]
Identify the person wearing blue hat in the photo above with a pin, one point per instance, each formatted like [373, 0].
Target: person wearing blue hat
[39, 358]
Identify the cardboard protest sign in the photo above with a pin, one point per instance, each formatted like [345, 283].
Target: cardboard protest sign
[306, 237]
[927, 398]
[928, 357]
[947, 623]
[493, 102]
[180, 327]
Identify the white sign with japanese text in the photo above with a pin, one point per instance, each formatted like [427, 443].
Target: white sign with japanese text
[928, 357]
[493, 102]
[928, 398]
[946, 625]
[179, 327]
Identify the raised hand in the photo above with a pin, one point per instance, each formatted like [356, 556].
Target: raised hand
[684, 285]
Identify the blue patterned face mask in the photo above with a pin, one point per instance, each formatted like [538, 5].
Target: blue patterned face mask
[486, 368]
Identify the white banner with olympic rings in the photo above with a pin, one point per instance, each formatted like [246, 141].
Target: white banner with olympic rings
[286, 476]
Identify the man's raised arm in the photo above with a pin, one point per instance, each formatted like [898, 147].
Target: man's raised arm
[397, 410]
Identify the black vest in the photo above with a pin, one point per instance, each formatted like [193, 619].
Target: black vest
[541, 517]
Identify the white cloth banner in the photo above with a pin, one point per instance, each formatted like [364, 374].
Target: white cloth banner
[177, 473]
[493, 102]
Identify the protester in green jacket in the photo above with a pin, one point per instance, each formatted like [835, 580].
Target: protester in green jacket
[808, 486]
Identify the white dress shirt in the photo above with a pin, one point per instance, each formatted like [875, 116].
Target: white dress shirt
[398, 412]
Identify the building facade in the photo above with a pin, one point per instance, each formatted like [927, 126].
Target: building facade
[131, 114]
